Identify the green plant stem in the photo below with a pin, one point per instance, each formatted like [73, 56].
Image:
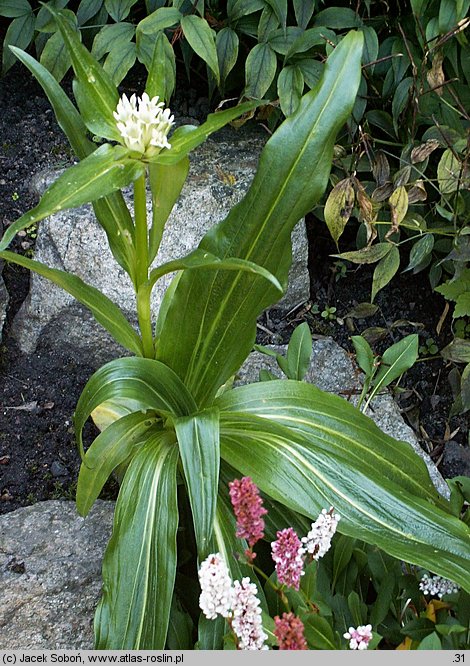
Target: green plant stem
[142, 254]
[278, 589]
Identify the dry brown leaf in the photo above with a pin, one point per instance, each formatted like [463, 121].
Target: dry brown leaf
[435, 75]
[421, 152]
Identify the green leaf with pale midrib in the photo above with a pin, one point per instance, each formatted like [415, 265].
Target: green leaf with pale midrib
[372, 508]
[152, 384]
[199, 259]
[107, 313]
[112, 447]
[337, 426]
[198, 442]
[221, 308]
[188, 137]
[139, 565]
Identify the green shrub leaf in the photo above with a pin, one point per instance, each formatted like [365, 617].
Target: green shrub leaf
[260, 69]
[162, 71]
[20, 32]
[290, 86]
[202, 40]
[226, 43]
[385, 270]
[396, 360]
[119, 61]
[119, 9]
[15, 8]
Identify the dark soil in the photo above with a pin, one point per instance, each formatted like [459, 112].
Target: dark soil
[38, 393]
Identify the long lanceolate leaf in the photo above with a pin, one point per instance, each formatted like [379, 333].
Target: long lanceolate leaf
[96, 94]
[188, 137]
[109, 450]
[221, 308]
[111, 211]
[202, 260]
[319, 464]
[337, 428]
[106, 170]
[107, 313]
[198, 442]
[67, 115]
[149, 383]
[139, 566]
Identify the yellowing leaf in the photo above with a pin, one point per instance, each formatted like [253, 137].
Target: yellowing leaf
[435, 75]
[338, 208]
[406, 644]
[431, 612]
[398, 203]
[451, 175]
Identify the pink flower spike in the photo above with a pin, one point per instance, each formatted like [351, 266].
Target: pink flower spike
[248, 509]
[289, 632]
[359, 638]
[288, 555]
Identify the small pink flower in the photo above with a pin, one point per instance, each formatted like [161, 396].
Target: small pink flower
[289, 632]
[248, 509]
[287, 554]
[359, 638]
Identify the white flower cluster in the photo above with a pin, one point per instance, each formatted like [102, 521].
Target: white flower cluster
[216, 586]
[318, 540]
[246, 622]
[143, 123]
[359, 638]
[437, 586]
[238, 601]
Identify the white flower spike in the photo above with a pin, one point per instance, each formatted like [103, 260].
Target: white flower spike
[437, 586]
[144, 124]
[318, 540]
[216, 585]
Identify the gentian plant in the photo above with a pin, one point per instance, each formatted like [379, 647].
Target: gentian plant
[178, 430]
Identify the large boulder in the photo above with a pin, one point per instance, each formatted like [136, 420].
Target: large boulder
[50, 575]
[221, 171]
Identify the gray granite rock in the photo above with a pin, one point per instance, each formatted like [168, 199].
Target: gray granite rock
[50, 575]
[332, 369]
[221, 171]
